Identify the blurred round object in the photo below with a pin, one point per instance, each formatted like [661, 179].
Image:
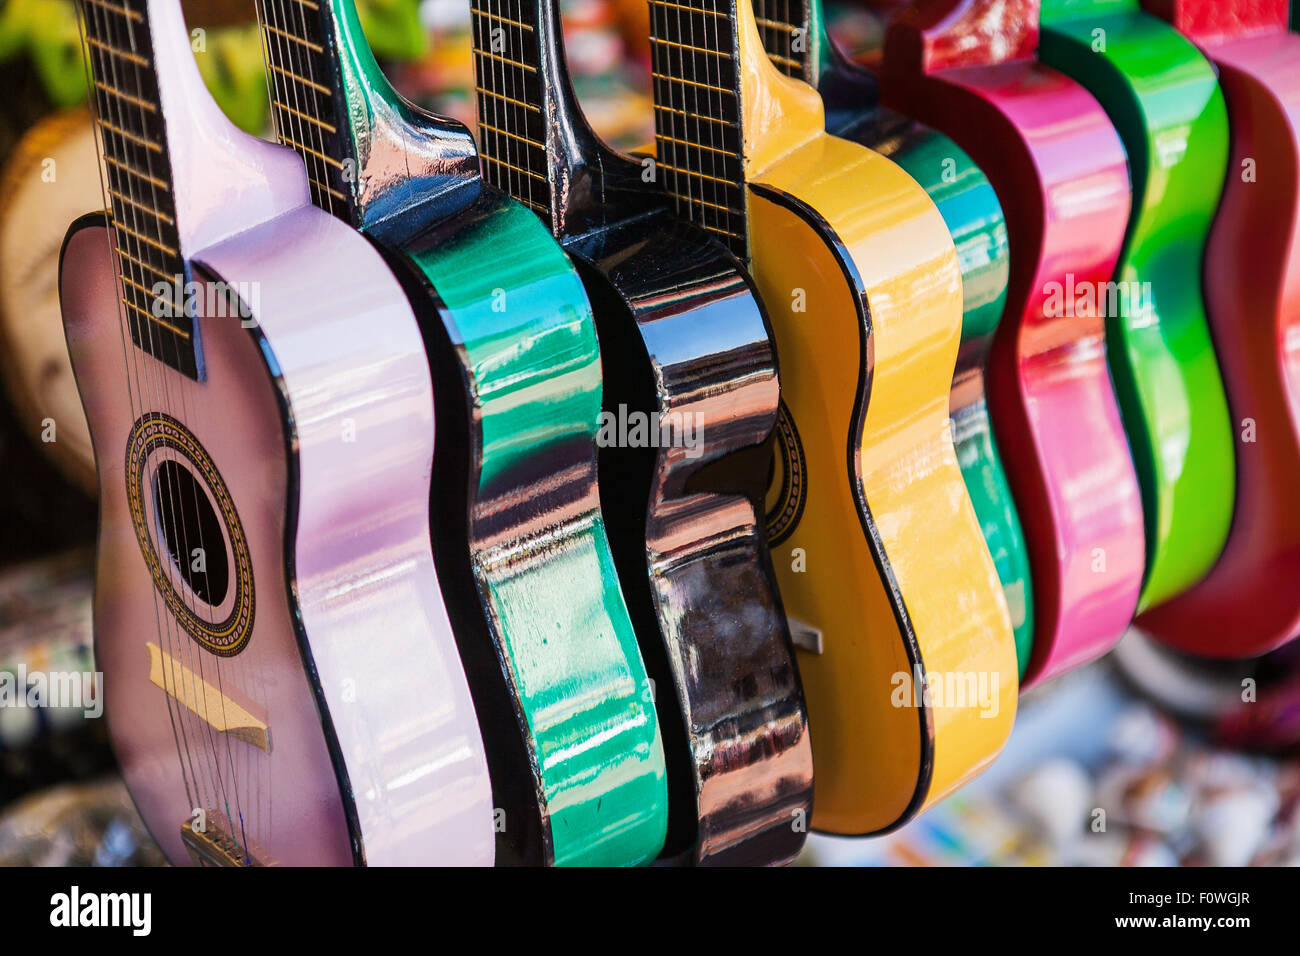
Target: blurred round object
[1056, 797]
[1149, 798]
[51, 179]
[1142, 735]
[1187, 686]
[1233, 825]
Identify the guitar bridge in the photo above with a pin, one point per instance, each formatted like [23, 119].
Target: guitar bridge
[214, 848]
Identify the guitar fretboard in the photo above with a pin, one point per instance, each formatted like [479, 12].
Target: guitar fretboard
[508, 85]
[301, 69]
[784, 28]
[133, 138]
[697, 113]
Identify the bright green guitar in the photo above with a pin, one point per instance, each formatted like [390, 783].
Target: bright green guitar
[971, 210]
[561, 691]
[1163, 97]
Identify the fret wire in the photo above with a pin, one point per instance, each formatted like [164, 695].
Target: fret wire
[706, 86]
[666, 3]
[126, 97]
[508, 99]
[696, 173]
[504, 59]
[141, 206]
[334, 192]
[126, 134]
[775, 25]
[498, 17]
[120, 10]
[153, 318]
[314, 47]
[152, 180]
[687, 46]
[526, 172]
[123, 54]
[711, 119]
[314, 152]
[711, 149]
[143, 238]
[144, 265]
[328, 127]
[506, 132]
[301, 79]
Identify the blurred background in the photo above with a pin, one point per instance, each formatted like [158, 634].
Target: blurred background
[1145, 758]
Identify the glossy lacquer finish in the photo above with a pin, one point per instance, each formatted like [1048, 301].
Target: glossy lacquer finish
[885, 559]
[1249, 603]
[970, 209]
[683, 340]
[1058, 167]
[1163, 97]
[562, 694]
[374, 753]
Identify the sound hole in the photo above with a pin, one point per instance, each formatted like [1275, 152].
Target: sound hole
[192, 532]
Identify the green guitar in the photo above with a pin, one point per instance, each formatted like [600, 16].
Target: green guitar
[1163, 97]
[561, 691]
[971, 210]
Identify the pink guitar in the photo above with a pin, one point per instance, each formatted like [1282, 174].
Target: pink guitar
[280, 678]
[1249, 603]
[968, 68]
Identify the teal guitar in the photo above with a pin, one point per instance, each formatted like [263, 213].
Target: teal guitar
[971, 210]
[1164, 99]
[561, 691]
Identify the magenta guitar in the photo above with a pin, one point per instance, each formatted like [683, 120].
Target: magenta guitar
[280, 678]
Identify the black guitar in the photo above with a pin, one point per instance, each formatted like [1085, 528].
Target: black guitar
[690, 400]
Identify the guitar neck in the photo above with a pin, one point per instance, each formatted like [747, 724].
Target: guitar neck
[132, 132]
[509, 78]
[298, 43]
[373, 159]
[697, 93]
[790, 32]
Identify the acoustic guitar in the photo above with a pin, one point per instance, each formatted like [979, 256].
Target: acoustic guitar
[1164, 99]
[267, 616]
[908, 658]
[973, 215]
[1249, 604]
[967, 68]
[563, 698]
[687, 359]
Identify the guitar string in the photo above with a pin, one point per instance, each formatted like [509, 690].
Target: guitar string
[93, 63]
[714, 65]
[204, 732]
[146, 390]
[189, 598]
[317, 136]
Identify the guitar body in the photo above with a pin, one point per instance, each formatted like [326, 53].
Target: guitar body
[690, 399]
[295, 526]
[548, 644]
[267, 616]
[970, 209]
[1248, 604]
[1064, 190]
[566, 709]
[1164, 100]
[684, 339]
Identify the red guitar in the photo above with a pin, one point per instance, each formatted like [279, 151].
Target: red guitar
[1250, 603]
[968, 69]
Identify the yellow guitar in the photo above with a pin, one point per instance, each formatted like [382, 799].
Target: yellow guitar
[907, 654]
